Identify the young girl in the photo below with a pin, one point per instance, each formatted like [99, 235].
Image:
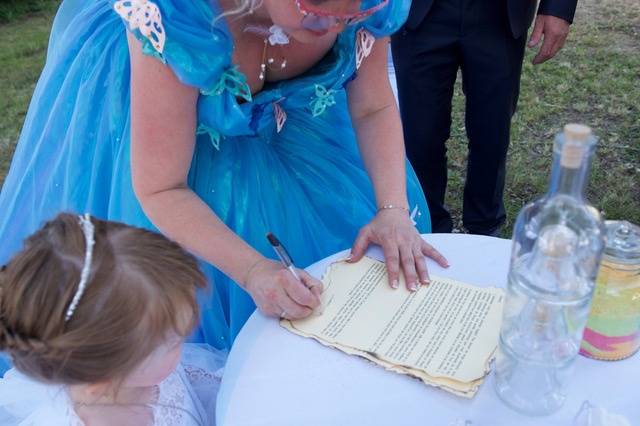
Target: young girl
[93, 315]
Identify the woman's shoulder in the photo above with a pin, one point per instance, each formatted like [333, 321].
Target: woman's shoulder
[190, 36]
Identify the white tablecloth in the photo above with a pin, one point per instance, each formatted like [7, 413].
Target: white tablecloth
[276, 378]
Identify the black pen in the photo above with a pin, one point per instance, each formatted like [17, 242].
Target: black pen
[282, 254]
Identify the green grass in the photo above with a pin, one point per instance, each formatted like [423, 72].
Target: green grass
[594, 80]
[23, 44]
[10, 10]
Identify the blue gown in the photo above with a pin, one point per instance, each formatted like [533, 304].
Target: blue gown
[305, 182]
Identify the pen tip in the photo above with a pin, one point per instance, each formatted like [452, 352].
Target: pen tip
[272, 239]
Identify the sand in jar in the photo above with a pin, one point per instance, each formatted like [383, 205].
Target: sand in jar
[613, 327]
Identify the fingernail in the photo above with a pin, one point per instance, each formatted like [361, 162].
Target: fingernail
[413, 287]
[349, 258]
[395, 284]
[426, 282]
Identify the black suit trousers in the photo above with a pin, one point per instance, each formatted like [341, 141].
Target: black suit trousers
[473, 36]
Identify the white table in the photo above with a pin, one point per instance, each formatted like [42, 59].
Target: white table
[276, 378]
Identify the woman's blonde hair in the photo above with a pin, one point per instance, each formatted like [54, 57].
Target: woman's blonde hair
[141, 287]
[243, 7]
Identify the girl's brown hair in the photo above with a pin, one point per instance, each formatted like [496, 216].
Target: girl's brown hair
[141, 287]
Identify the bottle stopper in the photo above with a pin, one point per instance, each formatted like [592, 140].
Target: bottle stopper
[576, 142]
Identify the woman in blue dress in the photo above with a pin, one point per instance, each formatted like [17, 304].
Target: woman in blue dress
[215, 122]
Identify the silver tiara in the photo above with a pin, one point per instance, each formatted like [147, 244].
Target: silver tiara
[89, 233]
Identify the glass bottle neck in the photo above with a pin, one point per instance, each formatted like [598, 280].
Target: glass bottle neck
[569, 177]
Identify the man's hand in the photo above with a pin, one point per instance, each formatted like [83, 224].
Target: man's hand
[554, 30]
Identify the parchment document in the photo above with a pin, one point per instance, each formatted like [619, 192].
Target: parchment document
[444, 334]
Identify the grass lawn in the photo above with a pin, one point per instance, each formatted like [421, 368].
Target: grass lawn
[594, 80]
[24, 32]
[11, 10]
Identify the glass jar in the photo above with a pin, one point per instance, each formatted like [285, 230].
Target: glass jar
[613, 327]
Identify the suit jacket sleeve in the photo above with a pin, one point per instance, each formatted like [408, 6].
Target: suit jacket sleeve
[564, 9]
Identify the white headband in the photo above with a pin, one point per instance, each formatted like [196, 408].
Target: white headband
[89, 231]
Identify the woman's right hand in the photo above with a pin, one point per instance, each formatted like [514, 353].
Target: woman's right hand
[277, 293]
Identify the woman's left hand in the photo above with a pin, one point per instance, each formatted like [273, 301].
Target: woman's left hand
[393, 230]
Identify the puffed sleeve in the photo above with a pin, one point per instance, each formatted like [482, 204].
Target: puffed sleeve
[389, 19]
[185, 35]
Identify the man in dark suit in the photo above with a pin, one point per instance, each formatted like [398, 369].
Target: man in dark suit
[485, 39]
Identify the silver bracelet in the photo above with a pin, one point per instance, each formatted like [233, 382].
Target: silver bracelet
[249, 271]
[393, 206]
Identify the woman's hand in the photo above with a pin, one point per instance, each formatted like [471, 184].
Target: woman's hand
[376, 119]
[278, 293]
[393, 230]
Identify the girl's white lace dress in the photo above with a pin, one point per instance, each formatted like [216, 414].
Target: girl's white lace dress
[186, 398]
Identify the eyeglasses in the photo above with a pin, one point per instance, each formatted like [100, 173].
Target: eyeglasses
[318, 20]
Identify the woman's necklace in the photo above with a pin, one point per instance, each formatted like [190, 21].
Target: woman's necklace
[274, 36]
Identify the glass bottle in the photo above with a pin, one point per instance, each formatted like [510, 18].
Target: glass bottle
[558, 241]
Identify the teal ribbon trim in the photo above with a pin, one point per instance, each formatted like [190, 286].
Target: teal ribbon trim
[233, 81]
[214, 135]
[149, 50]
